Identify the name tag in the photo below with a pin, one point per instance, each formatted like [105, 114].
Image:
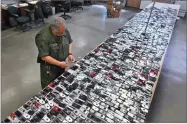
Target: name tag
[54, 44]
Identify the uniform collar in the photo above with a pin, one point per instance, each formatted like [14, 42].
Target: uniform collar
[65, 34]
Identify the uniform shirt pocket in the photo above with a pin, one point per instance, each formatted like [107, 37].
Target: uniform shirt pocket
[66, 40]
[54, 50]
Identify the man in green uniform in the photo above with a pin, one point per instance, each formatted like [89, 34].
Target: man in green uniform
[54, 45]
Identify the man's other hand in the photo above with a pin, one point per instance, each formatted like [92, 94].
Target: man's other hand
[63, 64]
[70, 58]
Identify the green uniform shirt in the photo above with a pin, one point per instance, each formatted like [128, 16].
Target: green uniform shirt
[54, 46]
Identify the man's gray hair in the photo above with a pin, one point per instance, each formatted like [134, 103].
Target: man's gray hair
[58, 21]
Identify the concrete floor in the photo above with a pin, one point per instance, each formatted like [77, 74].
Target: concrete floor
[90, 27]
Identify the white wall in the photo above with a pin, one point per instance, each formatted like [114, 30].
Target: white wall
[9, 1]
[145, 3]
[182, 4]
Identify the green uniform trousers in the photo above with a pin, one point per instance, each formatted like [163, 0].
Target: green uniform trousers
[49, 73]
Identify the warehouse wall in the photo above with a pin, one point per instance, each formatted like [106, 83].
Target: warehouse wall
[9, 1]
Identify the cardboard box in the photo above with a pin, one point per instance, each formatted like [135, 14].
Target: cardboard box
[109, 13]
[109, 2]
[113, 14]
[118, 6]
[133, 3]
[117, 14]
[109, 7]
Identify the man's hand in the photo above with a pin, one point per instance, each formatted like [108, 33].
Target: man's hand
[53, 61]
[70, 58]
[63, 64]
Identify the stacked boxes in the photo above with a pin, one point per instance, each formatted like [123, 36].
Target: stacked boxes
[118, 6]
[113, 9]
[109, 2]
[115, 13]
[109, 7]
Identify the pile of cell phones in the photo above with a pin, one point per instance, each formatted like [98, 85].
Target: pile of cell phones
[113, 83]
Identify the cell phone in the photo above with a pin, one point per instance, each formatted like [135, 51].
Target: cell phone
[66, 74]
[7, 120]
[56, 120]
[67, 112]
[47, 89]
[22, 119]
[74, 67]
[27, 107]
[58, 89]
[70, 79]
[18, 113]
[30, 112]
[79, 101]
[61, 78]
[83, 97]
[50, 96]
[76, 105]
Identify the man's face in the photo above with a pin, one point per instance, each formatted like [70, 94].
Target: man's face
[58, 31]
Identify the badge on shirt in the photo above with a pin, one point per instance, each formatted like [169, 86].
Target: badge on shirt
[54, 44]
